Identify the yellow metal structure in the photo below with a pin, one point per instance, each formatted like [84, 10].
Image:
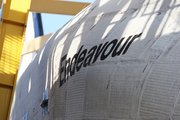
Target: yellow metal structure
[0, 3]
[12, 27]
[57, 7]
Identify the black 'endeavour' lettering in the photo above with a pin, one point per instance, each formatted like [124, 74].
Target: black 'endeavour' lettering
[86, 57]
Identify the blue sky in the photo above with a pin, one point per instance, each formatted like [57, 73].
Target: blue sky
[52, 22]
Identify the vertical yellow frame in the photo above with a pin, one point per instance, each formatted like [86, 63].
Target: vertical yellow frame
[12, 29]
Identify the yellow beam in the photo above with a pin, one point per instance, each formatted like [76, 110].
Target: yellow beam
[12, 27]
[57, 7]
[35, 44]
[1, 3]
[6, 79]
[5, 92]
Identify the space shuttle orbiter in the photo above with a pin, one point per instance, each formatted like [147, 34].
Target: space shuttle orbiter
[115, 60]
